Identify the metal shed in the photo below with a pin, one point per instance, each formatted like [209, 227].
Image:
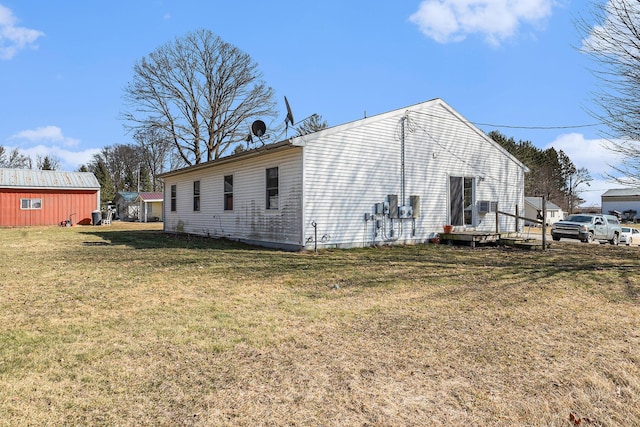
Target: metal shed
[37, 197]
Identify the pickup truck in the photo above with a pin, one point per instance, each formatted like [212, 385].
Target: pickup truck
[588, 228]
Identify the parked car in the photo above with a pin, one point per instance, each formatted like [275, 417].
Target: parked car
[630, 235]
[588, 228]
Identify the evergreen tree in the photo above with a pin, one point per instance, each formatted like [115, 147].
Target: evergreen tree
[107, 190]
[552, 173]
[145, 179]
[313, 124]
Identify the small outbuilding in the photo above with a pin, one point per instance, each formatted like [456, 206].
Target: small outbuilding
[126, 207]
[624, 202]
[150, 206]
[533, 206]
[397, 177]
[41, 197]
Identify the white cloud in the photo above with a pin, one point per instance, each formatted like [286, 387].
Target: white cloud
[50, 140]
[70, 160]
[497, 20]
[593, 155]
[46, 134]
[12, 37]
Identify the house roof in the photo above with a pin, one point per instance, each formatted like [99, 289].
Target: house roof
[278, 146]
[301, 141]
[127, 196]
[150, 197]
[622, 192]
[536, 202]
[44, 179]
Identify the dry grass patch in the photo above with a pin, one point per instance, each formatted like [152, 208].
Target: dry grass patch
[124, 325]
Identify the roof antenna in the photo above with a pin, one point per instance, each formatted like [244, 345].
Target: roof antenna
[289, 118]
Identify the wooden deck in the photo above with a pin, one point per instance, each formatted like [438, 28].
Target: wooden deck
[473, 238]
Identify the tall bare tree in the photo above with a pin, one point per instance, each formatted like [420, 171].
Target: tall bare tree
[156, 153]
[200, 91]
[613, 43]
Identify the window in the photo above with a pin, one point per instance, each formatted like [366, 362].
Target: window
[228, 193]
[272, 188]
[30, 204]
[173, 198]
[196, 195]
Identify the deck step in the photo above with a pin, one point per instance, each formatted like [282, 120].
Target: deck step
[522, 243]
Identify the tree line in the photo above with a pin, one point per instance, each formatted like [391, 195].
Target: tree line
[14, 159]
[552, 173]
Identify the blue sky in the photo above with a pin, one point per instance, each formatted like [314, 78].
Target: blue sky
[507, 65]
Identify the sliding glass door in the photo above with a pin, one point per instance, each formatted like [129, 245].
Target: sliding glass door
[461, 200]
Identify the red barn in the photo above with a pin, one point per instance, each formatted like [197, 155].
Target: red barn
[36, 197]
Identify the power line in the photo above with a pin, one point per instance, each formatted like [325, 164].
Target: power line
[535, 127]
[512, 126]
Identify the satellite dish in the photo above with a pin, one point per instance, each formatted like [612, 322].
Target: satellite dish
[258, 128]
[289, 118]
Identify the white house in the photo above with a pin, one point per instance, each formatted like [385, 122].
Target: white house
[533, 205]
[397, 177]
[624, 200]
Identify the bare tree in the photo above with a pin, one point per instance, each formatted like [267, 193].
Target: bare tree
[576, 186]
[14, 159]
[614, 45]
[156, 153]
[201, 92]
[123, 165]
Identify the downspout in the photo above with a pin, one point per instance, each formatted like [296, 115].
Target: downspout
[402, 120]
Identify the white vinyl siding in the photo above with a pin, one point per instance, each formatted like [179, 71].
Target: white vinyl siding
[347, 172]
[249, 220]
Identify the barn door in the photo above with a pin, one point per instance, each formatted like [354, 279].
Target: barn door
[461, 200]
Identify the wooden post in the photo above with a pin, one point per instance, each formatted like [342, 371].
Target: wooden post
[544, 223]
[517, 214]
[497, 222]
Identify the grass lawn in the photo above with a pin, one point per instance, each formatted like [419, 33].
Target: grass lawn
[124, 325]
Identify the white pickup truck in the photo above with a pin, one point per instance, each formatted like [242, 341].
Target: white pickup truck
[588, 228]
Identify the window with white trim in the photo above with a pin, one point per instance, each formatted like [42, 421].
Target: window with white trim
[196, 195]
[272, 188]
[228, 192]
[174, 193]
[30, 204]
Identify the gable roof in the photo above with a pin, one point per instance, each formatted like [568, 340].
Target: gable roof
[536, 202]
[277, 146]
[622, 192]
[127, 196]
[47, 180]
[150, 197]
[416, 109]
